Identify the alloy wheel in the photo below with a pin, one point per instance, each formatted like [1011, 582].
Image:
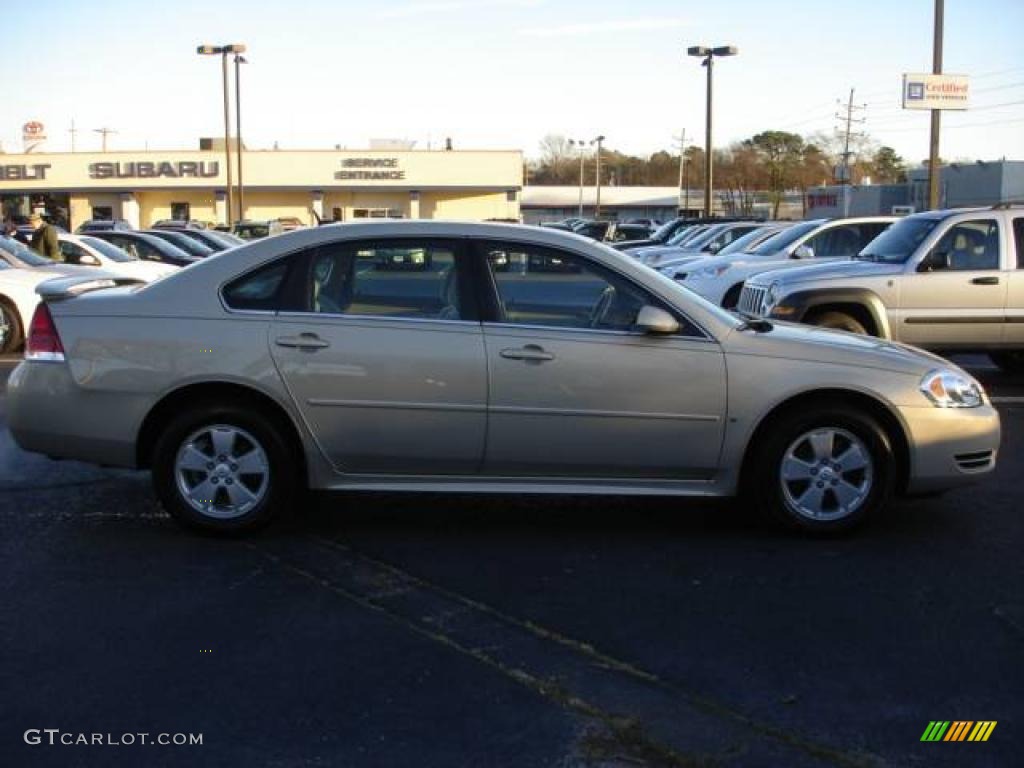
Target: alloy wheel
[826, 474]
[222, 471]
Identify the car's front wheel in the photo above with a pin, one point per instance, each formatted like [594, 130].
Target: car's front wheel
[840, 321]
[823, 470]
[222, 469]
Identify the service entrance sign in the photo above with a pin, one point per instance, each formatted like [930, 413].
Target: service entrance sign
[922, 91]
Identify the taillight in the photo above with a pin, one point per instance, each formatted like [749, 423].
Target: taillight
[43, 341]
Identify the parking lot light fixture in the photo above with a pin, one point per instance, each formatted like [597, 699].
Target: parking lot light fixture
[223, 51]
[239, 59]
[708, 54]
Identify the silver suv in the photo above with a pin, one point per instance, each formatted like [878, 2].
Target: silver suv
[944, 280]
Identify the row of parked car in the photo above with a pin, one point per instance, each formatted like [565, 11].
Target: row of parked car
[950, 280]
[142, 255]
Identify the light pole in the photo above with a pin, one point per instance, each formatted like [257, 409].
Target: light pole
[597, 202]
[933, 143]
[581, 144]
[239, 59]
[708, 55]
[224, 50]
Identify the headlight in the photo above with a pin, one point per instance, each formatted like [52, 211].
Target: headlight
[710, 273]
[948, 389]
[771, 298]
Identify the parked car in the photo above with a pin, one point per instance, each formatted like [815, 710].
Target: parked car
[666, 231]
[677, 268]
[254, 230]
[625, 231]
[682, 236]
[178, 224]
[948, 281]
[294, 362]
[93, 225]
[706, 243]
[147, 247]
[288, 223]
[179, 239]
[651, 224]
[566, 224]
[86, 251]
[217, 241]
[595, 230]
[720, 279]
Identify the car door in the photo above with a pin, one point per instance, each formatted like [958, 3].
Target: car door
[954, 293]
[1013, 331]
[576, 391]
[126, 244]
[384, 358]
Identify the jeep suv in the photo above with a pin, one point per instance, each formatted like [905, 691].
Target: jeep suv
[947, 281]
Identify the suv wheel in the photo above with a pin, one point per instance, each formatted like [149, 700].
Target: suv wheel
[1011, 362]
[10, 328]
[822, 471]
[840, 321]
[222, 469]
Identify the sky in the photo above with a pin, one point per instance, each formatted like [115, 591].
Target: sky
[501, 74]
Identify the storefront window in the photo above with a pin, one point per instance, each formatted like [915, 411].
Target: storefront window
[180, 211]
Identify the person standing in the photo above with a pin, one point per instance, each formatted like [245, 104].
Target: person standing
[44, 239]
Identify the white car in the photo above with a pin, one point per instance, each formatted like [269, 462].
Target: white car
[18, 301]
[87, 251]
[720, 279]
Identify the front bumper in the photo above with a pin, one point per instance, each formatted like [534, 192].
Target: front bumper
[950, 446]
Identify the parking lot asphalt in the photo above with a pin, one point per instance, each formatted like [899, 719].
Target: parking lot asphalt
[431, 630]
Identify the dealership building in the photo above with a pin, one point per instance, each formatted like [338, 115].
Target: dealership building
[311, 185]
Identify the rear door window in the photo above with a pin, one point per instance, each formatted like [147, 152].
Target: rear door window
[971, 245]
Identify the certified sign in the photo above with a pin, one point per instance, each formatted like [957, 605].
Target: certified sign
[935, 91]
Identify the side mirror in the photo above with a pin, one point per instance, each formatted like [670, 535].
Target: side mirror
[655, 320]
[803, 252]
[714, 248]
[934, 261]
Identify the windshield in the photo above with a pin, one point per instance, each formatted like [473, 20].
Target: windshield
[697, 242]
[109, 250]
[686, 233]
[785, 238]
[23, 253]
[663, 232]
[749, 240]
[898, 242]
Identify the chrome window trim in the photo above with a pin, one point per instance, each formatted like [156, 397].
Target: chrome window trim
[598, 331]
[382, 318]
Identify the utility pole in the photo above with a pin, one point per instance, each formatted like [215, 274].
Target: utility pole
[846, 178]
[597, 202]
[72, 130]
[104, 132]
[683, 190]
[933, 151]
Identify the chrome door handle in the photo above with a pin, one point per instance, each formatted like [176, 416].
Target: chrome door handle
[985, 281]
[302, 341]
[530, 352]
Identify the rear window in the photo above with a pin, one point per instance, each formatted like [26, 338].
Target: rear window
[258, 291]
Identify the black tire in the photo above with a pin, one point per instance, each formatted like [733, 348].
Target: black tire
[1011, 361]
[283, 479]
[840, 321]
[766, 490]
[12, 336]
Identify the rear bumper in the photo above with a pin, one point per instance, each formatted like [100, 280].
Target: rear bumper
[950, 447]
[48, 413]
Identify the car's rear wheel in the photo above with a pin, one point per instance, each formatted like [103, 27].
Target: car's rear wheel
[840, 321]
[824, 470]
[1011, 362]
[222, 469]
[10, 327]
